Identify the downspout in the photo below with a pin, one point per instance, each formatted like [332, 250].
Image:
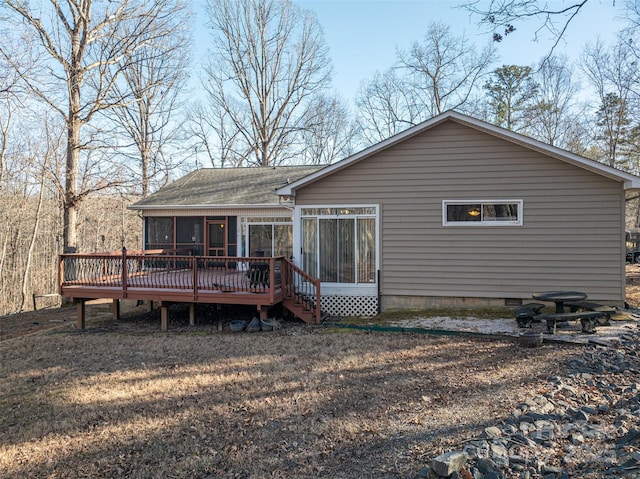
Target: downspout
[379, 292]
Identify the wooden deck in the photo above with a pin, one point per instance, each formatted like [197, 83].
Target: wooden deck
[168, 278]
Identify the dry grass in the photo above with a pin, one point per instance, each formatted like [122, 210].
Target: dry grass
[124, 400]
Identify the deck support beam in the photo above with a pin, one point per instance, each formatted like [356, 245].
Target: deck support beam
[80, 313]
[192, 314]
[263, 311]
[164, 315]
[115, 309]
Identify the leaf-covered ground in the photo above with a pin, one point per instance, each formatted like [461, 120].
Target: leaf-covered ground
[122, 399]
[125, 400]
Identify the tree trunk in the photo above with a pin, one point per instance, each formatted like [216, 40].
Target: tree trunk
[71, 177]
[32, 242]
[144, 153]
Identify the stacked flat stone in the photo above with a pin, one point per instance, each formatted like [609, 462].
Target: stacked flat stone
[586, 424]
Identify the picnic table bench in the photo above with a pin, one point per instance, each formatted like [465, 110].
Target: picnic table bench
[587, 319]
[607, 311]
[527, 314]
[588, 313]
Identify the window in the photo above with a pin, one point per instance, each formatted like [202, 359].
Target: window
[482, 213]
[159, 233]
[339, 244]
[274, 236]
[189, 234]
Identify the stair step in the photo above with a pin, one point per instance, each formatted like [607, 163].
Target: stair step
[306, 315]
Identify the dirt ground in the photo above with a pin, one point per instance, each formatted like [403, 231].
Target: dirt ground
[122, 399]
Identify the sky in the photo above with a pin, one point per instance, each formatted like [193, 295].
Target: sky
[364, 35]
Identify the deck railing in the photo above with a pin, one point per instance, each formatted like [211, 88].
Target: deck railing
[165, 274]
[169, 270]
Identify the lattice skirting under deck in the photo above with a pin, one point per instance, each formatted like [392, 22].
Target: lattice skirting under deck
[350, 305]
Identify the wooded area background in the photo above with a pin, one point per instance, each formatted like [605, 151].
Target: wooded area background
[98, 108]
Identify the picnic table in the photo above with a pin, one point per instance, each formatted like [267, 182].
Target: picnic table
[559, 298]
[587, 312]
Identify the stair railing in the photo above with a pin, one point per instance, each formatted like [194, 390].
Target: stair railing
[301, 288]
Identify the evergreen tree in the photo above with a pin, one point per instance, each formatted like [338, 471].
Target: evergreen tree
[511, 93]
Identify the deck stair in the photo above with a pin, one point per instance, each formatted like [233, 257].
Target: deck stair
[301, 293]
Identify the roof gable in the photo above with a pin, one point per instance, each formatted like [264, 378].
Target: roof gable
[630, 181]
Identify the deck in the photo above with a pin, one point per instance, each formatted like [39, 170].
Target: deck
[167, 277]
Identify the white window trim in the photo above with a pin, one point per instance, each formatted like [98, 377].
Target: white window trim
[243, 221]
[518, 222]
[337, 288]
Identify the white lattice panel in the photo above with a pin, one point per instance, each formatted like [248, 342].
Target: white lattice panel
[350, 305]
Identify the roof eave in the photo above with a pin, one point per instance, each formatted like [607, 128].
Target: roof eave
[202, 207]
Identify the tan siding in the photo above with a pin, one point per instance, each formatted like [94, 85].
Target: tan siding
[570, 239]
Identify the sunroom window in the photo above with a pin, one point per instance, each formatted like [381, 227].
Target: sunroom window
[339, 244]
[159, 232]
[482, 213]
[272, 236]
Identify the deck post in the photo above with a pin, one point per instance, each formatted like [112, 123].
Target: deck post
[60, 274]
[192, 314]
[115, 309]
[80, 314]
[164, 316]
[272, 280]
[318, 306]
[194, 266]
[263, 311]
[124, 272]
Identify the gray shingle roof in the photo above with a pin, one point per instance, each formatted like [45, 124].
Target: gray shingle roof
[226, 186]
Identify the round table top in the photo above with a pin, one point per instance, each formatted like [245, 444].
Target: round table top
[559, 296]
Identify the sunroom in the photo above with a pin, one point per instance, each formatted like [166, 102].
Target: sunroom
[339, 246]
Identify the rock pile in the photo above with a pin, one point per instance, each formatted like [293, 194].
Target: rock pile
[585, 424]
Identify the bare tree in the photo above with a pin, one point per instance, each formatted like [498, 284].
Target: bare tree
[615, 79]
[39, 159]
[553, 116]
[502, 16]
[15, 52]
[385, 108]
[440, 73]
[443, 70]
[211, 128]
[84, 42]
[152, 77]
[269, 56]
[328, 132]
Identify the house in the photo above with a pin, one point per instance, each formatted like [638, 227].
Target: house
[459, 212]
[452, 212]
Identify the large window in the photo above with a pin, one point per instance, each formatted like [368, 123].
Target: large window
[482, 213]
[273, 236]
[175, 232]
[339, 244]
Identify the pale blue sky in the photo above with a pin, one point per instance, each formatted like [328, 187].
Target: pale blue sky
[363, 35]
